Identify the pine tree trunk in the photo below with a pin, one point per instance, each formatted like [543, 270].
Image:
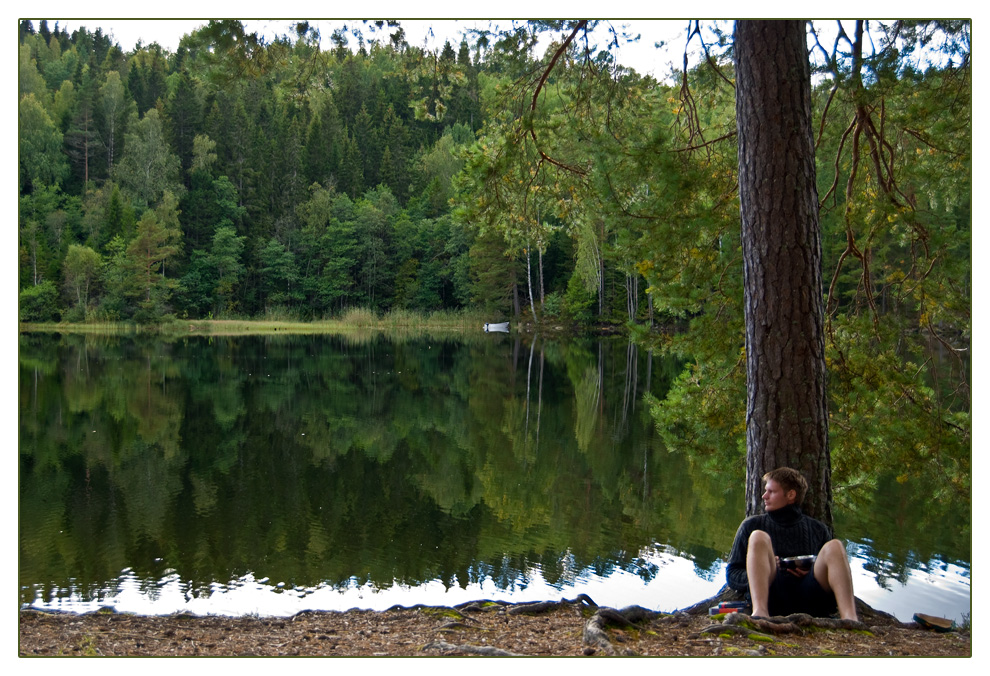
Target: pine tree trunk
[786, 409]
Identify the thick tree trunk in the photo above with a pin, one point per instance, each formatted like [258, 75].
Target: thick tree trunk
[786, 408]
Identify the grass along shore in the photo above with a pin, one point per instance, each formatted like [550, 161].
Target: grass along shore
[349, 322]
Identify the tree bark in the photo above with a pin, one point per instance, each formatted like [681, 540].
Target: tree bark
[786, 408]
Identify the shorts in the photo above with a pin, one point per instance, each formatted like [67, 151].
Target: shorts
[790, 594]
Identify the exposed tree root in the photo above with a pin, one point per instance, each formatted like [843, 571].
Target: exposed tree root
[547, 606]
[596, 637]
[486, 650]
[798, 623]
[867, 614]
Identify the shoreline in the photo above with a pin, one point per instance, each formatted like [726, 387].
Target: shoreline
[572, 628]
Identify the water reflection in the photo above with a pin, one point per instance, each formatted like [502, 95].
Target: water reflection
[271, 475]
[673, 583]
[665, 580]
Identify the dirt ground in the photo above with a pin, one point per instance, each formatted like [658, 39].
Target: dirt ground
[481, 628]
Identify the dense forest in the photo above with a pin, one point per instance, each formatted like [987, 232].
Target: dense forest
[245, 177]
[208, 182]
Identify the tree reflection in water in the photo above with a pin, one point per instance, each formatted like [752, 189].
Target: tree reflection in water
[327, 462]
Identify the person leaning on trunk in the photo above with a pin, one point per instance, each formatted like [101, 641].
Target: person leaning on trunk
[762, 560]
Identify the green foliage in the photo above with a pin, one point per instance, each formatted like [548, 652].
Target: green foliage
[41, 160]
[553, 306]
[146, 282]
[39, 303]
[115, 304]
[280, 274]
[580, 303]
[645, 177]
[147, 167]
[81, 270]
[225, 259]
[235, 128]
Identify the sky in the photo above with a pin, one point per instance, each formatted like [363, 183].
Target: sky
[642, 54]
[431, 33]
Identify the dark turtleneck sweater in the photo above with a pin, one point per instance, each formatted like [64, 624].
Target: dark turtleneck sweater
[791, 534]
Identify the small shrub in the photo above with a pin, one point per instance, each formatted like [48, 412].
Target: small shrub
[579, 303]
[39, 303]
[76, 314]
[553, 306]
[102, 315]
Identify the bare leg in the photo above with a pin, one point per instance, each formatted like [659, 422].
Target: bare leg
[761, 568]
[833, 574]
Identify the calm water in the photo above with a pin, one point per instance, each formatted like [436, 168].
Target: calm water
[275, 474]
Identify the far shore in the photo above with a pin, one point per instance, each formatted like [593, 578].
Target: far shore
[350, 323]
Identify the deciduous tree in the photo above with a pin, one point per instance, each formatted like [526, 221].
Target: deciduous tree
[80, 270]
[40, 156]
[113, 109]
[148, 167]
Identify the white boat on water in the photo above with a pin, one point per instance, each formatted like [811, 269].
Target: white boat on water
[502, 327]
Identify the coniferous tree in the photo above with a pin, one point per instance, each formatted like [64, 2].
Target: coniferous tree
[183, 118]
[82, 138]
[225, 258]
[352, 170]
[324, 145]
[369, 147]
[146, 254]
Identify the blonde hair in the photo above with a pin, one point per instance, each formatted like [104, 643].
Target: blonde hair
[790, 480]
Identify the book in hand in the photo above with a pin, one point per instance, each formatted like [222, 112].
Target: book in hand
[804, 562]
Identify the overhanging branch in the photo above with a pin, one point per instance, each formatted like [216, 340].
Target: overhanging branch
[536, 94]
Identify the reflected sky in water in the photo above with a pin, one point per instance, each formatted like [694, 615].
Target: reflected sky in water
[676, 585]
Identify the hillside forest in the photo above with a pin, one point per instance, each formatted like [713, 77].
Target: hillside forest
[248, 177]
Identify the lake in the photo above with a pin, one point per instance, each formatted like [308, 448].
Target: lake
[273, 474]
